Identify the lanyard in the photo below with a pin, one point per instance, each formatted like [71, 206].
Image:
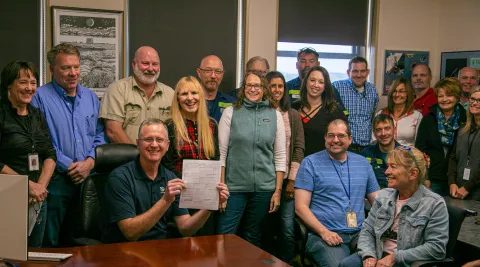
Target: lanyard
[470, 145]
[340, 177]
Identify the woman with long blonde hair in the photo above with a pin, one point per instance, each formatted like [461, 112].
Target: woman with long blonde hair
[192, 134]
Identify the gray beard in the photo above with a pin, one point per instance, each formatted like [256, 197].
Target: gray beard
[145, 79]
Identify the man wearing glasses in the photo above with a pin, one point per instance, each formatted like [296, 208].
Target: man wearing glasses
[142, 195]
[130, 101]
[210, 74]
[360, 98]
[329, 196]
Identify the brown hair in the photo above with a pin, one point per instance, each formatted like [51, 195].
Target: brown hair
[63, 48]
[451, 86]
[410, 95]
[267, 95]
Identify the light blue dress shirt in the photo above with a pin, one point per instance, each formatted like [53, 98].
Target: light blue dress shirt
[74, 127]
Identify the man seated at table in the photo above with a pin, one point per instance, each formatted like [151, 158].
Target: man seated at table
[142, 195]
[376, 154]
[329, 196]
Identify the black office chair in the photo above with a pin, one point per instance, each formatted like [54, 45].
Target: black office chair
[455, 218]
[301, 235]
[89, 216]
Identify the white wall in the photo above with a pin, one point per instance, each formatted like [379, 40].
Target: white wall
[407, 25]
[261, 30]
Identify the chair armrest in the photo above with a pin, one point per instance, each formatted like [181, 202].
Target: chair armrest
[85, 241]
[445, 262]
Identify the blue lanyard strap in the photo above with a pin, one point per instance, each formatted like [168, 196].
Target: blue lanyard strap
[340, 177]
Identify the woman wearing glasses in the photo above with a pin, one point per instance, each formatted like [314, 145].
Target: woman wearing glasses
[464, 165]
[192, 134]
[317, 108]
[400, 108]
[294, 146]
[407, 221]
[438, 131]
[252, 154]
[25, 142]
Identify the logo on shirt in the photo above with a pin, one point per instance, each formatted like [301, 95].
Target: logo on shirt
[162, 189]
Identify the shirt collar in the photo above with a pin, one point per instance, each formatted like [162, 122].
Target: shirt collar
[377, 146]
[143, 176]
[61, 92]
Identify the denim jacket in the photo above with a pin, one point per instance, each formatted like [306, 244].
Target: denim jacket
[422, 227]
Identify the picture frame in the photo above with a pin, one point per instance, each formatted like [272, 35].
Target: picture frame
[399, 63]
[98, 34]
[452, 62]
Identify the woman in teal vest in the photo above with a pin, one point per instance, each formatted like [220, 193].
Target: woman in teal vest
[252, 152]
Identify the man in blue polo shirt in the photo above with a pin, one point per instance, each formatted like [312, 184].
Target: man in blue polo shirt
[210, 74]
[329, 196]
[360, 98]
[142, 195]
[376, 154]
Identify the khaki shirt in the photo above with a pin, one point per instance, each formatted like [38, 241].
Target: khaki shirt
[125, 102]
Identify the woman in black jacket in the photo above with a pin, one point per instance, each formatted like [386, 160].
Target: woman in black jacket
[438, 132]
[25, 144]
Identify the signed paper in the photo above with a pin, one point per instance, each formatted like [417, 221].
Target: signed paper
[201, 178]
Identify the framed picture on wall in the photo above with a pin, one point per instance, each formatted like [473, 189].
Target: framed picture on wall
[453, 62]
[399, 64]
[98, 34]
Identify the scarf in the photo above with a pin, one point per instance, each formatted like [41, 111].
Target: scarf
[447, 127]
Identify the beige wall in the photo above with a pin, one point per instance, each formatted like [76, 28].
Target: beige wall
[458, 26]
[261, 30]
[406, 25]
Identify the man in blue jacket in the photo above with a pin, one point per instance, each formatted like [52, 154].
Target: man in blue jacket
[376, 154]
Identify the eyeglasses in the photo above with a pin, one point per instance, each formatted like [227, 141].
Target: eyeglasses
[253, 86]
[150, 140]
[474, 100]
[409, 149]
[340, 137]
[210, 71]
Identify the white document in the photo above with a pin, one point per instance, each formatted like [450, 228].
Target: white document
[201, 178]
[32, 215]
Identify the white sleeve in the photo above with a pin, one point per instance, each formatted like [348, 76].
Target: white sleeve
[374, 139]
[224, 134]
[419, 119]
[279, 147]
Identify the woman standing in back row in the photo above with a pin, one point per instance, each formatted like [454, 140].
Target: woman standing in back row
[317, 108]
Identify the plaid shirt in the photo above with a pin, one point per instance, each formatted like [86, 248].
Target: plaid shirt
[173, 159]
[361, 109]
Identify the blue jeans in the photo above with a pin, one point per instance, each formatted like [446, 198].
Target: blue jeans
[324, 255]
[440, 187]
[255, 205]
[353, 260]
[60, 192]
[36, 237]
[287, 216]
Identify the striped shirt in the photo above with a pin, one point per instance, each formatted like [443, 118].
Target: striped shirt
[329, 202]
[361, 109]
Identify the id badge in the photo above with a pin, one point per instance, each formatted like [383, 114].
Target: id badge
[466, 174]
[351, 219]
[33, 162]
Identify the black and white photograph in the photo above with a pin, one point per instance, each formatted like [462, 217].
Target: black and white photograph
[98, 34]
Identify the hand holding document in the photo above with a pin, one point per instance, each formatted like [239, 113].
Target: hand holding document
[201, 178]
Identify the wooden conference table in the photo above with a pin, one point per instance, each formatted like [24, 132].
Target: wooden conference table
[220, 250]
[470, 232]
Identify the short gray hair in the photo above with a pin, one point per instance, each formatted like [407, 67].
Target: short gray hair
[151, 121]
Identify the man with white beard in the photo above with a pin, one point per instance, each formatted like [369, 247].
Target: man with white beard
[130, 101]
